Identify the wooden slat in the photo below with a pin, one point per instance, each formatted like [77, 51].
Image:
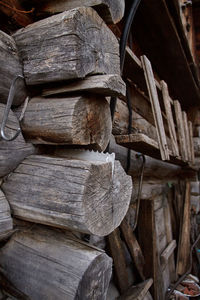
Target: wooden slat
[137, 292]
[153, 95]
[191, 142]
[187, 137]
[170, 120]
[117, 252]
[184, 238]
[167, 253]
[180, 127]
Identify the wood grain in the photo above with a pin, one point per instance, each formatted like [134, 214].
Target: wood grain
[6, 223]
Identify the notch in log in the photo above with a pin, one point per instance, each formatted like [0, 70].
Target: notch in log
[66, 46]
[74, 194]
[111, 11]
[59, 266]
[12, 152]
[76, 120]
[10, 67]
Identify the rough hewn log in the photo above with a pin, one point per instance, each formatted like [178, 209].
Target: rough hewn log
[12, 153]
[111, 11]
[108, 85]
[6, 224]
[69, 121]
[75, 194]
[47, 264]
[10, 67]
[153, 168]
[78, 43]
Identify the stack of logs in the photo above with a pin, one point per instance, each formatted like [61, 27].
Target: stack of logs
[58, 200]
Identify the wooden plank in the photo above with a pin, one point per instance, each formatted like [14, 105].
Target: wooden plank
[67, 52]
[184, 237]
[155, 107]
[77, 120]
[167, 253]
[170, 120]
[180, 127]
[191, 142]
[59, 265]
[12, 152]
[187, 137]
[107, 85]
[137, 292]
[134, 247]
[110, 11]
[117, 253]
[81, 195]
[8, 71]
[146, 224]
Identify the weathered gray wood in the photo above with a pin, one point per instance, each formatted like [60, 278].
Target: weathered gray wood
[10, 67]
[196, 143]
[180, 127]
[153, 95]
[78, 43]
[12, 153]
[75, 194]
[167, 253]
[6, 224]
[47, 264]
[170, 120]
[138, 291]
[76, 120]
[111, 11]
[187, 137]
[108, 85]
[191, 142]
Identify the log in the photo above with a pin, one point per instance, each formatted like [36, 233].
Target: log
[6, 224]
[78, 43]
[47, 264]
[13, 152]
[111, 11]
[80, 120]
[75, 194]
[10, 67]
[107, 85]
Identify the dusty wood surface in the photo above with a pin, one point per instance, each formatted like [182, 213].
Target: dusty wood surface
[75, 194]
[12, 153]
[153, 95]
[134, 247]
[184, 235]
[148, 243]
[108, 85]
[6, 223]
[191, 141]
[170, 119]
[118, 255]
[59, 266]
[187, 137]
[78, 43]
[80, 120]
[167, 253]
[180, 127]
[154, 168]
[111, 11]
[137, 292]
[10, 67]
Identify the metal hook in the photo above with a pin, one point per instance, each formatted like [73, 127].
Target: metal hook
[7, 110]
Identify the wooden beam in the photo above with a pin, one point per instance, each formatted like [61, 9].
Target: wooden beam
[111, 11]
[59, 265]
[77, 120]
[107, 85]
[180, 127]
[191, 142]
[117, 253]
[187, 137]
[67, 52]
[170, 120]
[167, 253]
[72, 193]
[155, 107]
